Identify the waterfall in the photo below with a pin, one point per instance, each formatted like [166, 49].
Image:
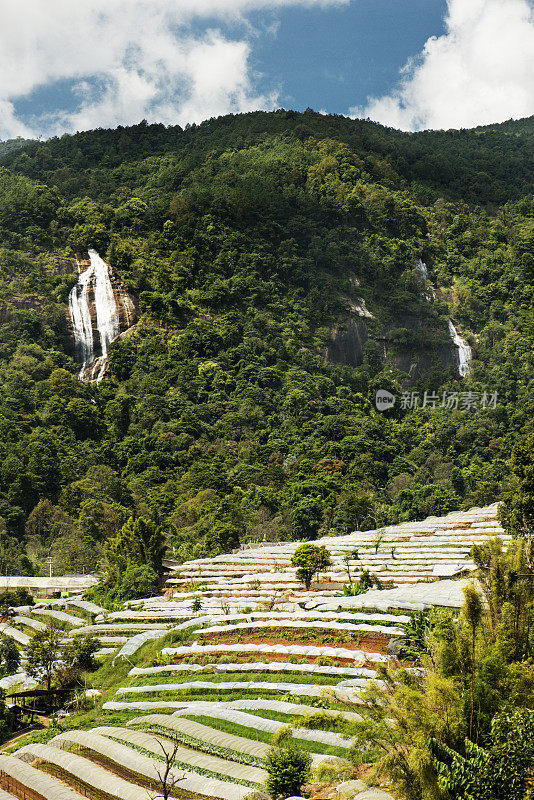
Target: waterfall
[464, 351]
[429, 293]
[80, 315]
[422, 268]
[93, 309]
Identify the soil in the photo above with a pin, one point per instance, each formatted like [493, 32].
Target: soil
[369, 644]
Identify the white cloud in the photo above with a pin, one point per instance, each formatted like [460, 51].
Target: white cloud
[141, 54]
[480, 71]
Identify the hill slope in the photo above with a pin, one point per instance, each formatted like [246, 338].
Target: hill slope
[242, 405]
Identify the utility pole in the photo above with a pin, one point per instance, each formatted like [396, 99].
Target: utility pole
[50, 559]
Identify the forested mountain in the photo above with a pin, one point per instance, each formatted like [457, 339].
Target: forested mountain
[276, 259]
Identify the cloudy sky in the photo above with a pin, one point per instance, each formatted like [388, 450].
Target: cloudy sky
[68, 65]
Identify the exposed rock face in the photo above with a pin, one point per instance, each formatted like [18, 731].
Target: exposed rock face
[26, 303]
[346, 343]
[348, 338]
[100, 310]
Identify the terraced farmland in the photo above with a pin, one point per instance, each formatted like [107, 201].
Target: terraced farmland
[215, 685]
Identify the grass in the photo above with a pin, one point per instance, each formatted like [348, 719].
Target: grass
[279, 716]
[262, 736]
[189, 695]
[83, 720]
[238, 675]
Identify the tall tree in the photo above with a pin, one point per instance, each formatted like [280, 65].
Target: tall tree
[133, 559]
[43, 653]
[309, 560]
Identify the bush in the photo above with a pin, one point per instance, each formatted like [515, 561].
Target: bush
[288, 768]
[139, 581]
[503, 770]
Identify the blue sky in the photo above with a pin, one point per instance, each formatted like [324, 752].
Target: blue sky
[411, 64]
[333, 59]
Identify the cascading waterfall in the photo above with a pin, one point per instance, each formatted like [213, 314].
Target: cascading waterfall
[80, 314]
[95, 290]
[429, 291]
[422, 268]
[464, 351]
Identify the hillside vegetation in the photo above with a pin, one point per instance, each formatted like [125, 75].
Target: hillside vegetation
[238, 409]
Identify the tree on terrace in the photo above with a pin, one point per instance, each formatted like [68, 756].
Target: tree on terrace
[309, 560]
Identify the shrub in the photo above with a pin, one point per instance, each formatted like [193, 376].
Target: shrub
[288, 769]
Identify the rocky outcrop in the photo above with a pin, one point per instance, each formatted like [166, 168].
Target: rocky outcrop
[347, 340]
[9, 309]
[349, 336]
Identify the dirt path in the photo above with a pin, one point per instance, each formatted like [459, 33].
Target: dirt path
[44, 722]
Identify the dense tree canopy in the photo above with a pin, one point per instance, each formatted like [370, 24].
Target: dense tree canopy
[241, 407]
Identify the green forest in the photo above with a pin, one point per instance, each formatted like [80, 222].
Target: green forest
[241, 406]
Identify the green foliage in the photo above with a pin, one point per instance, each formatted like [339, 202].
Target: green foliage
[309, 560]
[15, 597]
[7, 718]
[133, 562]
[9, 656]
[43, 653]
[288, 768]
[417, 632]
[79, 652]
[241, 408]
[503, 769]
[517, 511]
[443, 729]
[365, 582]
[507, 581]
[49, 661]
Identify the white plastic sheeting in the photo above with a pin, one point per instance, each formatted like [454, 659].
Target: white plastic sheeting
[145, 705]
[86, 605]
[185, 755]
[61, 616]
[40, 782]
[149, 617]
[290, 649]
[302, 624]
[105, 781]
[401, 554]
[86, 770]
[29, 622]
[14, 680]
[112, 641]
[120, 627]
[414, 597]
[217, 711]
[258, 666]
[67, 583]
[154, 613]
[261, 704]
[212, 736]
[135, 642]
[105, 651]
[18, 636]
[306, 689]
[203, 733]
